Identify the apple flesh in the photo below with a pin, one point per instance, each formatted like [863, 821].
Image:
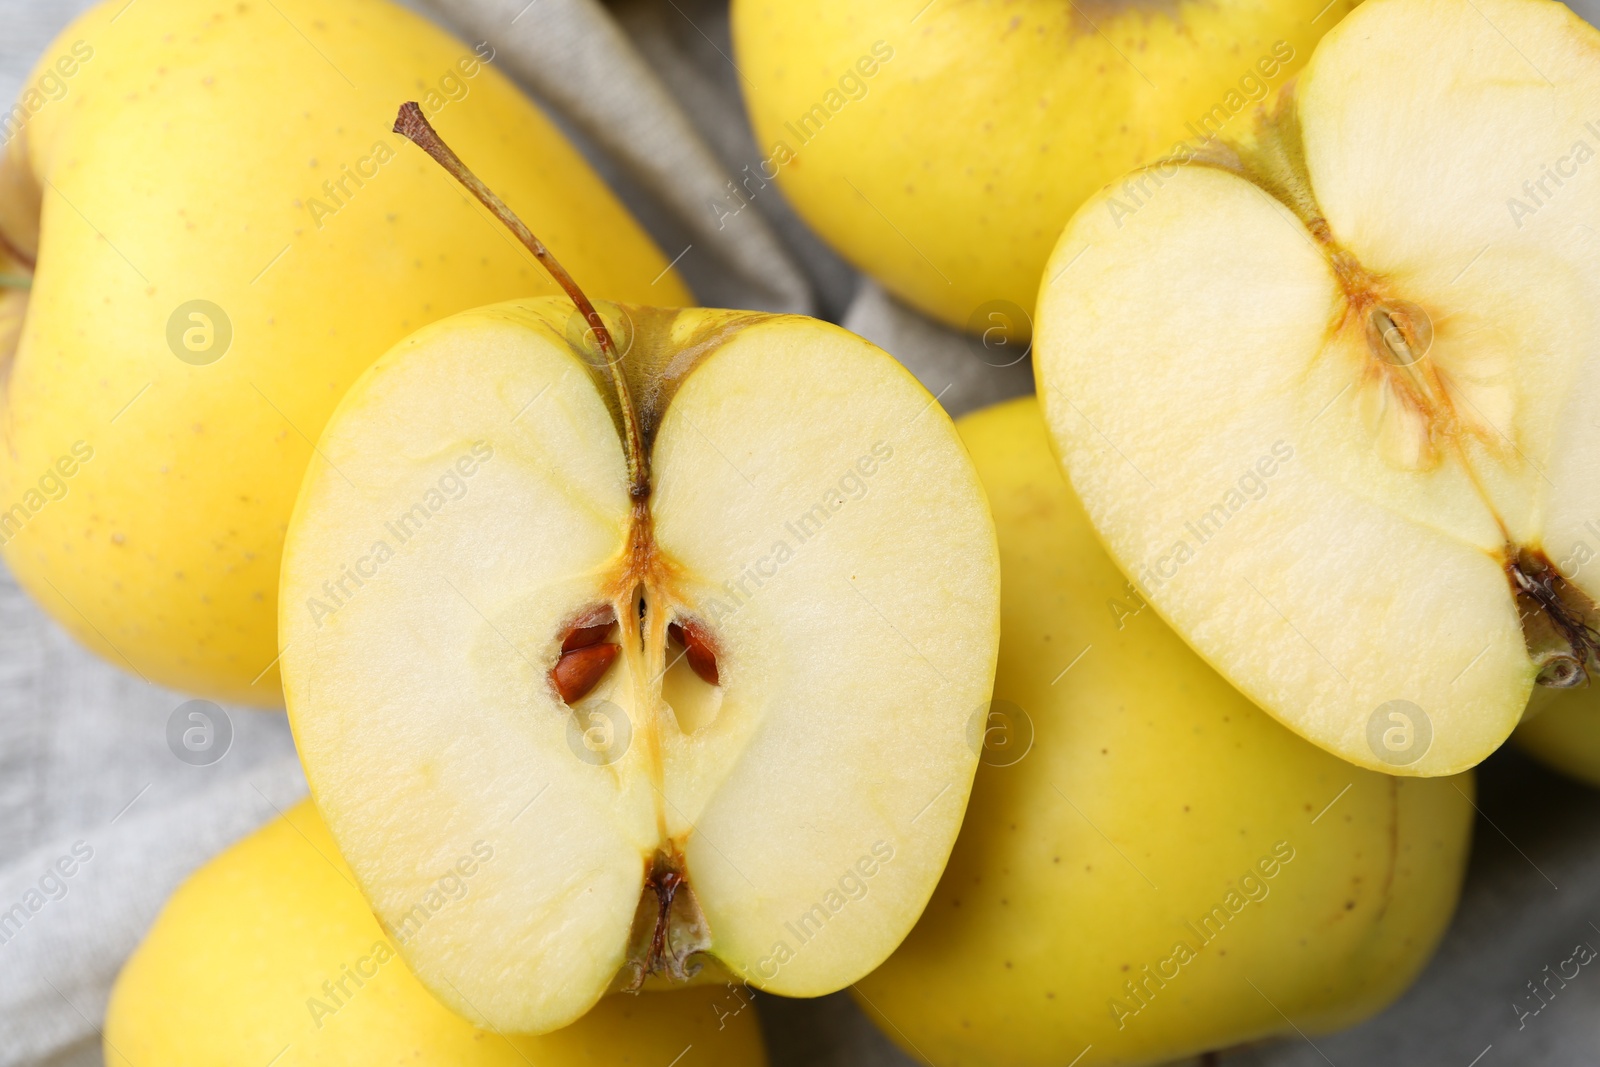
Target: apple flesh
[1328, 396]
[709, 703]
[1143, 844]
[269, 954]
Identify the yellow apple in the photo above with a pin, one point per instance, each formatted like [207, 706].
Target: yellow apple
[1151, 867]
[694, 644]
[941, 147]
[1565, 734]
[268, 954]
[222, 233]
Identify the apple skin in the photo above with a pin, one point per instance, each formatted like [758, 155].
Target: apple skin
[233, 971]
[188, 153]
[950, 173]
[1563, 732]
[1040, 920]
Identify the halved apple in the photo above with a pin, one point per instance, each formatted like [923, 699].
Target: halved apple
[686, 613]
[1329, 393]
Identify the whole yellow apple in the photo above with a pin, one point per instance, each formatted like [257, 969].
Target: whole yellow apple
[942, 147]
[221, 233]
[1151, 867]
[268, 954]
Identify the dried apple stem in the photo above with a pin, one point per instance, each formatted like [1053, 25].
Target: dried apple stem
[412, 125]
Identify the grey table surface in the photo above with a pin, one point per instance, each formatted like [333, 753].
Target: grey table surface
[1532, 891]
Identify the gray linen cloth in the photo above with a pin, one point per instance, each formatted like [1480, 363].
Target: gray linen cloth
[88, 777]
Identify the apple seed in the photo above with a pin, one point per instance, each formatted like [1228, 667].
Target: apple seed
[577, 672]
[697, 648]
[584, 636]
[1399, 331]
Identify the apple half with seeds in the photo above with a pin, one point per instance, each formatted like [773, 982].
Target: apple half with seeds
[1330, 393]
[682, 617]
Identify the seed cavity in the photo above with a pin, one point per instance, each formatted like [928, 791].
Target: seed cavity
[697, 649]
[1400, 332]
[585, 656]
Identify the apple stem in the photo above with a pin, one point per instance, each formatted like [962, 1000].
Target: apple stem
[15, 281]
[413, 125]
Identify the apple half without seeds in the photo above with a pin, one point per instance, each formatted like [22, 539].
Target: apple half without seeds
[1329, 393]
[626, 645]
